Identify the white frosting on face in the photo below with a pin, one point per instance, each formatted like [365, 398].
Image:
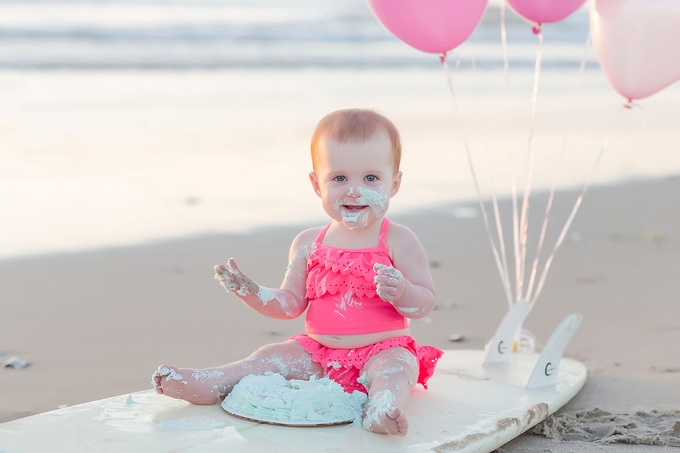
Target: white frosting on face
[350, 217]
[355, 219]
[375, 199]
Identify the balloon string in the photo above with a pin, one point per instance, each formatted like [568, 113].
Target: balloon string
[567, 130]
[515, 230]
[524, 220]
[563, 233]
[506, 63]
[474, 178]
[499, 230]
[505, 277]
[644, 112]
[508, 102]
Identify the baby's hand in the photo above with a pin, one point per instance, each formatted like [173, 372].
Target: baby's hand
[390, 283]
[231, 277]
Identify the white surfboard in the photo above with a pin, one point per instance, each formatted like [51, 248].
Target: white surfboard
[468, 408]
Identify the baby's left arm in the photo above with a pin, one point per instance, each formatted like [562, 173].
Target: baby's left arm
[407, 285]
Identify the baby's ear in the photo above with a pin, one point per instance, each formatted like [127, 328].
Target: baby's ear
[315, 183]
[396, 183]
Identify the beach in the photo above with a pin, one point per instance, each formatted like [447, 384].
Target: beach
[122, 185]
[96, 324]
[105, 158]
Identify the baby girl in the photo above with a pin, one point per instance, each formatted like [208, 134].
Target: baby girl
[360, 278]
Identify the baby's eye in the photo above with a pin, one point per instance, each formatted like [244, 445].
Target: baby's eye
[340, 178]
[371, 178]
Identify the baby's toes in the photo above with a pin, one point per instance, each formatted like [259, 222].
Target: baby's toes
[167, 371]
[401, 421]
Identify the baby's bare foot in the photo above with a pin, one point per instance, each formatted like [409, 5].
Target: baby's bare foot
[383, 415]
[171, 374]
[194, 386]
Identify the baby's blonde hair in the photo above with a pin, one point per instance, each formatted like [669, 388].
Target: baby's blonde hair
[355, 125]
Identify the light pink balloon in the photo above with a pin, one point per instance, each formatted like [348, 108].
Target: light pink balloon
[545, 11]
[637, 44]
[434, 26]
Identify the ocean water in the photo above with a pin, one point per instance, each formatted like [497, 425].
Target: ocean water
[123, 122]
[208, 34]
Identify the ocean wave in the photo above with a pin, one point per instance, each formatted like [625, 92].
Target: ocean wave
[183, 34]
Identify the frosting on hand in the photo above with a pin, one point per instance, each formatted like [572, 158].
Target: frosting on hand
[390, 282]
[232, 279]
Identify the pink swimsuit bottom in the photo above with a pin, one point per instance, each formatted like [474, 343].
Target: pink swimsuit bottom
[344, 365]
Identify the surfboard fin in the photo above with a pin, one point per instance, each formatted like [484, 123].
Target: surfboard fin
[501, 346]
[548, 364]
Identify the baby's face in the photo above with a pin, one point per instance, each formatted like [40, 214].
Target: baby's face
[356, 180]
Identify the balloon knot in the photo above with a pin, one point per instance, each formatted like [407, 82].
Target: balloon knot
[442, 57]
[629, 104]
[536, 29]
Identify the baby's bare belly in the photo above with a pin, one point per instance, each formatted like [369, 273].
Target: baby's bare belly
[357, 341]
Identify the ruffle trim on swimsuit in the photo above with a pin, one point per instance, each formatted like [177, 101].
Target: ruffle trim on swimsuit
[333, 270]
[353, 357]
[427, 356]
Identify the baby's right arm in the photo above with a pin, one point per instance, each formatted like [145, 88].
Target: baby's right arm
[289, 301]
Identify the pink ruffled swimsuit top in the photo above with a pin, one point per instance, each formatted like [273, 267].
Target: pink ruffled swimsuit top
[341, 292]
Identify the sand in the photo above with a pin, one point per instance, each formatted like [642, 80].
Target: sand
[96, 324]
[122, 189]
[640, 428]
[124, 157]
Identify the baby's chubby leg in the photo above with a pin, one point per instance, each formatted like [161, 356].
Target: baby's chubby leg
[391, 376]
[206, 386]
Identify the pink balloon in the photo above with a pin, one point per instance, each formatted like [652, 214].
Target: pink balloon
[434, 26]
[545, 11]
[637, 44]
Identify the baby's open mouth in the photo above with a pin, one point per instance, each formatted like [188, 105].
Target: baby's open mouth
[353, 208]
